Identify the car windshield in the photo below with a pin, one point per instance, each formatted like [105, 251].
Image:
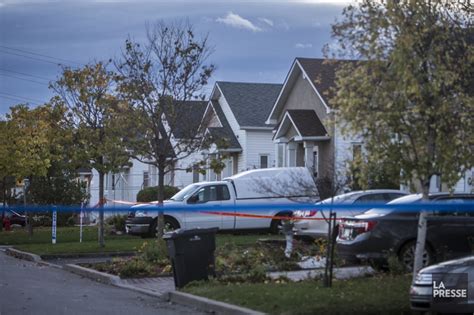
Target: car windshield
[183, 194]
[337, 199]
[402, 200]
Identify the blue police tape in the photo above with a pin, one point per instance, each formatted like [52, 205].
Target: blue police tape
[460, 207]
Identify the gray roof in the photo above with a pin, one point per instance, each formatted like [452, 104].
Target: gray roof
[322, 73]
[186, 118]
[225, 132]
[307, 122]
[251, 103]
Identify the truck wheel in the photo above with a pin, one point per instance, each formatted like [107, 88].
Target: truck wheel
[275, 226]
[170, 225]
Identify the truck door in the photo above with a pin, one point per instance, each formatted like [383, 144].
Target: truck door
[211, 196]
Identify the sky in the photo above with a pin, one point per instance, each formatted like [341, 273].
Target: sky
[253, 41]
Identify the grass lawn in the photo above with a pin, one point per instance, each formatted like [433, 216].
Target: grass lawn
[376, 295]
[68, 241]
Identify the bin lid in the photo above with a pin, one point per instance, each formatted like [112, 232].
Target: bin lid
[185, 233]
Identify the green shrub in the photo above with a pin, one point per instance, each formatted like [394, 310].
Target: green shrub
[395, 267]
[153, 251]
[151, 193]
[135, 268]
[71, 221]
[118, 221]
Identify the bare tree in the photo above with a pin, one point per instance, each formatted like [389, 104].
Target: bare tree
[157, 80]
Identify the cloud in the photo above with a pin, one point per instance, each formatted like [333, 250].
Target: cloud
[303, 45]
[235, 20]
[266, 21]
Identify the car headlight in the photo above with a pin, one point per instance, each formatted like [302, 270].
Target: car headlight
[141, 213]
[424, 279]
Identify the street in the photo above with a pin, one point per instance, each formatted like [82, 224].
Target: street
[27, 288]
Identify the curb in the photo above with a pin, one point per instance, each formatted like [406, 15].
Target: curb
[87, 255]
[92, 274]
[23, 255]
[208, 305]
[196, 302]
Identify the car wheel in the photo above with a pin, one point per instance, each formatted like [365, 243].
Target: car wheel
[407, 255]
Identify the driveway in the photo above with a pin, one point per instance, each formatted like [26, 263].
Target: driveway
[27, 288]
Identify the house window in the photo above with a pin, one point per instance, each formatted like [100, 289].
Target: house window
[281, 152]
[356, 151]
[113, 181]
[263, 161]
[146, 179]
[195, 174]
[315, 163]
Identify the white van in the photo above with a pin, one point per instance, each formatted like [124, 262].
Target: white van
[259, 187]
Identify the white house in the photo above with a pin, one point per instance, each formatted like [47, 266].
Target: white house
[235, 120]
[125, 184]
[307, 132]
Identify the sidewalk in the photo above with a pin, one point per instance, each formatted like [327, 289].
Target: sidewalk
[159, 285]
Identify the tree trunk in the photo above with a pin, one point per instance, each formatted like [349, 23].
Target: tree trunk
[160, 226]
[421, 235]
[27, 213]
[101, 209]
[4, 193]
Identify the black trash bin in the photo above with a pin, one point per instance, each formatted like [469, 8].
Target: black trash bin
[192, 254]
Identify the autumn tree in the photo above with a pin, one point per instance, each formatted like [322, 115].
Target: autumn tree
[156, 80]
[88, 94]
[26, 145]
[410, 96]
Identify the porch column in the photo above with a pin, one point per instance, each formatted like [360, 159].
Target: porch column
[291, 154]
[308, 154]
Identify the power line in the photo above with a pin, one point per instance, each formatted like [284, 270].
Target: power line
[24, 79]
[18, 99]
[26, 74]
[23, 97]
[41, 55]
[29, 57]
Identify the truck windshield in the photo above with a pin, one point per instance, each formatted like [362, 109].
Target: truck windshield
[185, 193]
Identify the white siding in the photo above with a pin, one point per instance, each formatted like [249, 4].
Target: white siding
[258, 143]
[242, 158]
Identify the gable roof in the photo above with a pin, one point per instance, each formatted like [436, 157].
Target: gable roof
[225, 132]
[187, 118]
[321, 75]
[307, 123]
[250, 102]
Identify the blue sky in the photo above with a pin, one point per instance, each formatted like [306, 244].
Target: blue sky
[254, 41]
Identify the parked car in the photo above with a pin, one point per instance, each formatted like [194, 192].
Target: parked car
[378, 233]
[319, 228]
[15, 217]
[272, 186]
[421, 291]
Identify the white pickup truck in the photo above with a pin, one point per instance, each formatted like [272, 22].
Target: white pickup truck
[260, 187]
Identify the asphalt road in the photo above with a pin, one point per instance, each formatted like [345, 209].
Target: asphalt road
[27, 288]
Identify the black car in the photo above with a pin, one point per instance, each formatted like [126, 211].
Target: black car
[378, 233]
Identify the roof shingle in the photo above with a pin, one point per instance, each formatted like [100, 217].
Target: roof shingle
[250, 102]
[322, 73]
[307, 122]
